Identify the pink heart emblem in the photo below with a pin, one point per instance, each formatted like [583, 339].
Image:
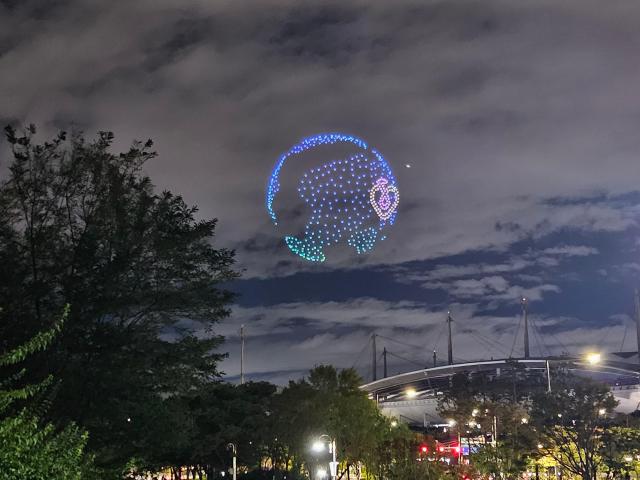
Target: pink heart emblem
[384, 198]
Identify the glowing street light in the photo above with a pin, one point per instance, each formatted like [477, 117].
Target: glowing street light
[594, 358]
[318, 447]
[411, 393]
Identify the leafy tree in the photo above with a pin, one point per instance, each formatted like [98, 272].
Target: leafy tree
[571, 421]
[29, 448]
[82, 225]
[498, 407]
[619, 449]
[329, 402]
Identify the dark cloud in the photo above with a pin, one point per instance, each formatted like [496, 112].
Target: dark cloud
[519, 122]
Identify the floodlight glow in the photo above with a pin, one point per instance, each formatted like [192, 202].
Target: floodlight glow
[594, 358]
[321, 473]
[411, 393]
[349, 199]
[317, 446]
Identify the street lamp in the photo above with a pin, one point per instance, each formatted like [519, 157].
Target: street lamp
[318, 447]
[232, 447]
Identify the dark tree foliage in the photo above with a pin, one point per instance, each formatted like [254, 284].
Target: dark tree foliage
[495, 406]
[83, 226]
[192, 430]
[30, 448]
[573, 424]
[329, 402]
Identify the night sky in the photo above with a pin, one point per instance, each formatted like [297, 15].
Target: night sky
[519, 120]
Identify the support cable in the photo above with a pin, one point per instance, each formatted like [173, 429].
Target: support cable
[401, 343]
[359, 357]
[389, 352]
[515, 338]
[537, 334]
[624, 337]
[439, 336]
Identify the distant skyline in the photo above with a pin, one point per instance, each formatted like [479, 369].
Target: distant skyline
[519, 120]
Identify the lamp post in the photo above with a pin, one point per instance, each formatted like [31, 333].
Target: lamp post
[318, 446]
[234, 450]
[548, 375]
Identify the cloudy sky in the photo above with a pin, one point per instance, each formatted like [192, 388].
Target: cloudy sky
[520, 122]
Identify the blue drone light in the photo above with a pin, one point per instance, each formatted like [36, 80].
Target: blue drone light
[353, 198]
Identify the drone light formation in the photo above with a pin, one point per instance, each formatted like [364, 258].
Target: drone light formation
[351, 199]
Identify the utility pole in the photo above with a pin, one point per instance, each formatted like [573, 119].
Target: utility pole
[384, 357]
[637, 301]
[241, 354]
[450, 346]
[374, 365]
[435, 358]
[526, 328]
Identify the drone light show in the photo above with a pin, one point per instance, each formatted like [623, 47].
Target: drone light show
[332, 189]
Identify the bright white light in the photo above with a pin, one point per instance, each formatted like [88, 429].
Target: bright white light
[222, 473]
[394, 423]
[411, 393]
[524, 420]
[474, 412]
[539, 445]
[602, 411]
[451, 422]
[317, 446]
[408, 165]
[594, 358]
[321, 473]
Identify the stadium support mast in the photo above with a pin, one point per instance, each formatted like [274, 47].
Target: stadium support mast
[374, 365]
[241, 354]
[526, 328]
[637, 302]
[450, 345]
[384, 364]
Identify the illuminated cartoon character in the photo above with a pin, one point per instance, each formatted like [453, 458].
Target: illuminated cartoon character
[351, 199]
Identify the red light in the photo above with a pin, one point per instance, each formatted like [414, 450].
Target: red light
[424, 449]
[457, 449]
[441, 449]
